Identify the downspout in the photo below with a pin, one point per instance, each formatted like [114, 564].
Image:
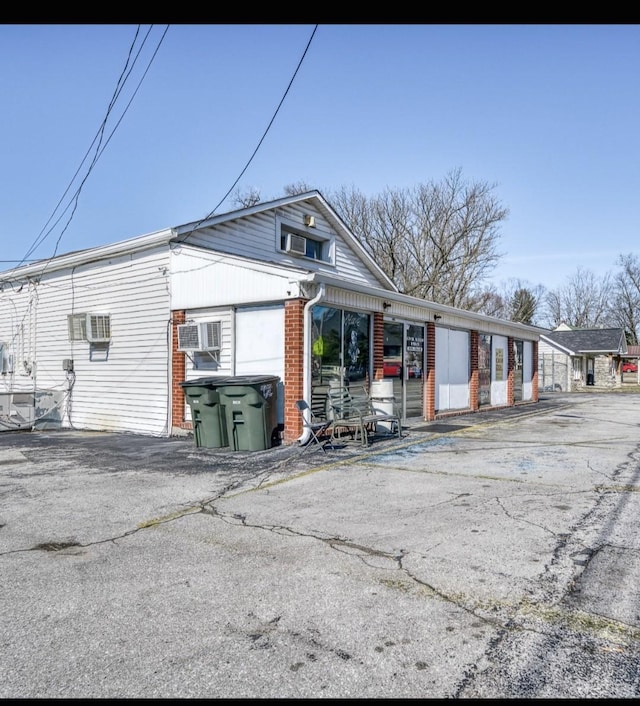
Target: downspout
[306, 355]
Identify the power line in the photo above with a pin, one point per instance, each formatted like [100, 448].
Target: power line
[99, 147]
[255, 151]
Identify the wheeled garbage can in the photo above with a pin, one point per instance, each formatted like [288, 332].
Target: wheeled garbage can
[207, 412]
[251, 411]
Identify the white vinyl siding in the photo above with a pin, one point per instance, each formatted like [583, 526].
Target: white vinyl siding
[18, 312]
[257, 237]
[201, 278]
[119, 386]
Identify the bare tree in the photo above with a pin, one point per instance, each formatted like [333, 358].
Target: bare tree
[491, 302]
[437, 241]
[245, 199]
[298, 187]
[626, 299]
[514, 299]
[583, 302]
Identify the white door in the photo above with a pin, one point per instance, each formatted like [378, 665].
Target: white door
[259, 345]
[452, 369]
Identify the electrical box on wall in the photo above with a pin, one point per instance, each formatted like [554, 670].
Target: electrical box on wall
[67, 364]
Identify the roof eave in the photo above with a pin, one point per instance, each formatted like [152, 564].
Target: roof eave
[83, 257]
[394, 295]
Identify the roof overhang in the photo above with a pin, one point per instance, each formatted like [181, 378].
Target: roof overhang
[394, 296]
[83, 257]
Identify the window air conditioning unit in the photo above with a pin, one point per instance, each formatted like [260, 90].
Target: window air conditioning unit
[199, 337]
[296, 244]
[98, 328]
[95, 328]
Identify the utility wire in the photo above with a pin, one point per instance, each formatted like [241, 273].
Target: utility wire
[99, 149]
[97, 138]
[255, 151]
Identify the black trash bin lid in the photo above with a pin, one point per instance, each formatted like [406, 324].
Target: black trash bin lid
[250, 379]
[206, 382]
[218, 380]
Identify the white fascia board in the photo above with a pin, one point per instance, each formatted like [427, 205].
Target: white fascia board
[82, 257]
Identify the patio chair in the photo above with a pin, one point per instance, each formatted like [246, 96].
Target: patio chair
[358, 416]
[317, 428]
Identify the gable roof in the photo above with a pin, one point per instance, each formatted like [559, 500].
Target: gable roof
[180, 234]
[317, 199]
[593, 340]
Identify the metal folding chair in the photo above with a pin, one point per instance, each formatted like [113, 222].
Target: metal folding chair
[317, 427]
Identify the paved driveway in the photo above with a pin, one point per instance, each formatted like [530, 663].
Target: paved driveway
[494, 555]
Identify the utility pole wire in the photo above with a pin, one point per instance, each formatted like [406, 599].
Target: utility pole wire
[255, 151]
[99, 150]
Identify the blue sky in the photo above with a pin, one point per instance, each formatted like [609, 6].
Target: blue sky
[550, 114]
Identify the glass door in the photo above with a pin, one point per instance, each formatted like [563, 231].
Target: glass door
[413, 370]
[404, 363]
[517, 371]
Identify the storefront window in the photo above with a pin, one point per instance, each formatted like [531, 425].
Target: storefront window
[339, 345]
[484, 369]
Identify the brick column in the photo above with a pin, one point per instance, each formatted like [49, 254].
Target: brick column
[378, 345]
[473, 379]
[511, 361]
[534, 377]
[178, 372]
[429, 403]
[293, 367]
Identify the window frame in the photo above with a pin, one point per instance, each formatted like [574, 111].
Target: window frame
[317, 243]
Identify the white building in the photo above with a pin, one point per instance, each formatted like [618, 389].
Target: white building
[90, 339]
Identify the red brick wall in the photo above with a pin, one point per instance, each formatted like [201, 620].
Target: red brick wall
[178, 373]
[429, 405]
[473, 380]
[293, 367]
[378, 346]
[534, 377]
[511, 361]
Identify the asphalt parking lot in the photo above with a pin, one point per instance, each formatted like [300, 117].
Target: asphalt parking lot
[493, 555]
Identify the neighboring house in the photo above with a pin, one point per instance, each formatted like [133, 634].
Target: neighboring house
[101, 339]
[569, 359]
[633, 356]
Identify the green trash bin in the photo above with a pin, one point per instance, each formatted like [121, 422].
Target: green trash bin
[207, 413]
[250, 403]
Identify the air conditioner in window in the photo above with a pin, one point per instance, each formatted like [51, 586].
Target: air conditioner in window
[296, 244]
[199, 337]
[98, 328]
